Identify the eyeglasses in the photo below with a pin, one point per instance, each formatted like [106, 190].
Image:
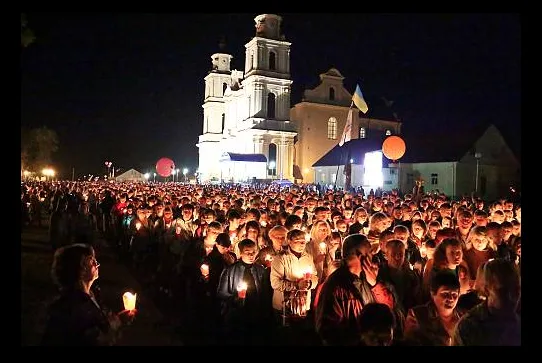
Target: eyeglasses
[94, 262]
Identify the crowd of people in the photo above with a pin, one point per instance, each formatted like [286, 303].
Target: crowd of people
[297, 265]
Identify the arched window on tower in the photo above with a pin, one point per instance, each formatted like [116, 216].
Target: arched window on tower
[271, 105]
[272, 61]
[332, 128]
[224, 86]
[272, 165]
[362, 134]
[331, 94]
[388, 132]
[223, 121]
[251, 61]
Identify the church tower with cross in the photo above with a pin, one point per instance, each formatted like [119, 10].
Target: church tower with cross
[247, 133]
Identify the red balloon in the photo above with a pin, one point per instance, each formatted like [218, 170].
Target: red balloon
[393, 147]
[165, 167]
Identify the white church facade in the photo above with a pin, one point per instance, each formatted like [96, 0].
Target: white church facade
[250, 130]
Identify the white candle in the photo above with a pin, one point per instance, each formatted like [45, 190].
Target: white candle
[129, 301]
[204, 269]
[242, 290]
[322, 246]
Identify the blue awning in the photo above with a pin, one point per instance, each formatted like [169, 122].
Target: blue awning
[254, 158]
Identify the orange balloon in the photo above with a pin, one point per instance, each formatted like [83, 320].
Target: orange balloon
[393, 147]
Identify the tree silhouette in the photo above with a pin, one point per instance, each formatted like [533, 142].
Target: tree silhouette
[37, 147]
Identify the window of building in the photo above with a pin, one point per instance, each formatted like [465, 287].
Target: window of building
[223, 121]
[388, 132]
[331, 93]
[393, 171]
[434, 179]
[272, 61]
[271, 105]
[272, 165]
[332, 128]
[224, 86]
[362, 134]
[387, 182]
[251, 61]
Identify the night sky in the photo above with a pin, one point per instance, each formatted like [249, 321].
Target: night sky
[129, 88]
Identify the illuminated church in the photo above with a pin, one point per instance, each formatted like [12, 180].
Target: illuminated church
[250, 130]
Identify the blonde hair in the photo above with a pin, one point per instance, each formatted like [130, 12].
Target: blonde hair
[314, 229]
[477, 231]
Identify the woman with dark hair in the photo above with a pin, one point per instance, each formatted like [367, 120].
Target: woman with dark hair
[434, 322]
[494, 322]
[448, 257]
[75, 318]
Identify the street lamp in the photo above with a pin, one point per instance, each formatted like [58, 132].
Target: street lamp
[185, 171]
[154, 177]
[177, 174]
[108, 166]
[478, 156]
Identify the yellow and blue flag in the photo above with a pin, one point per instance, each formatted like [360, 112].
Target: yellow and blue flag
[359, 101]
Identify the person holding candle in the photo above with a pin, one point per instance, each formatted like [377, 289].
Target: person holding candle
[277, 235]
[293, 277]
[317, 247]
[200, 275]
[346, 291]
[245, 294]
[76, 318]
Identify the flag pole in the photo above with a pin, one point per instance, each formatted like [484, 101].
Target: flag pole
[343, 137]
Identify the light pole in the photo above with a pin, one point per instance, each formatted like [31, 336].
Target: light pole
[154, 177]
[185, 171]
[477, 156]
[177, 174]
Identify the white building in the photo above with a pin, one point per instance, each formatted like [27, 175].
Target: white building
[131, 175]
[477, 160]
[248, 112]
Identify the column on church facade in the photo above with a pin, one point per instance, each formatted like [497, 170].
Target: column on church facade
[258, 141]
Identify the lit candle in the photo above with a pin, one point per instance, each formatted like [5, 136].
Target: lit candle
[307, 237]
[307, 274]
[423, 250]
[322, 247]
[268, 259]
[204, 269]
[129, 301]
[138, 226]
[242, 290]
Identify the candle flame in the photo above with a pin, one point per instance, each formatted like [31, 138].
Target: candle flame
[129, 301]
[268, 257]
[242, 286]
[138, 226]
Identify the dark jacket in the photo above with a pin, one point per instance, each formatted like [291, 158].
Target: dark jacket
[424, 327]
[74, 319]
[256, 309]
[339, 304]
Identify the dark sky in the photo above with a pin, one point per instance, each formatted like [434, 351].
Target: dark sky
[129, 88]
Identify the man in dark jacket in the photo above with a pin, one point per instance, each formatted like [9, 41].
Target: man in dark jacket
[244, 290]
[345, 292]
